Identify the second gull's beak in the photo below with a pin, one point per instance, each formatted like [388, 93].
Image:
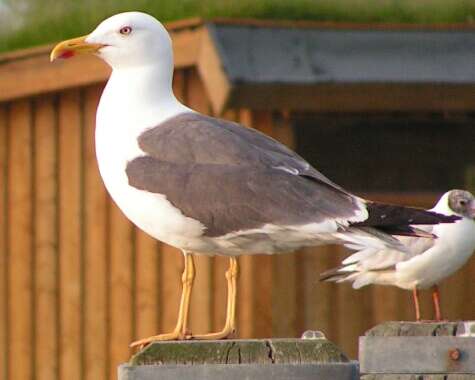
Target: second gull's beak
[70, 48]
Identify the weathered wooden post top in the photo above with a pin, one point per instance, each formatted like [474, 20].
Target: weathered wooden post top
[414, 350]
[312, 357]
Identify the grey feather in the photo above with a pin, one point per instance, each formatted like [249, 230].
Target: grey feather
[228, 177]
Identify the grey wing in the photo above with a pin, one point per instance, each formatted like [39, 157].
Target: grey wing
[192, 137]
[287, 157]
[232, 178]
[229, 198]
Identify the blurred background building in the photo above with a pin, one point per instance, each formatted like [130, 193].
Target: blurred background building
[378, 95]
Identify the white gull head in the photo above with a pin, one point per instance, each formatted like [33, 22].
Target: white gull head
[133, 39]
[139, 50]
[139, 93]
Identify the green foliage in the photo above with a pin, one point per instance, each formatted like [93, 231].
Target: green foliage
[46, 21]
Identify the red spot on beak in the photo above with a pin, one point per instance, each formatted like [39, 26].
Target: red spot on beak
[67, 54]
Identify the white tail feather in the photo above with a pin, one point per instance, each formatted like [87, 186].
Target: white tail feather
[363, 238]
[361, 255]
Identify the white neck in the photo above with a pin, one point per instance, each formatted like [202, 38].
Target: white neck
[134, 100]
[139, 97]
[152, 82]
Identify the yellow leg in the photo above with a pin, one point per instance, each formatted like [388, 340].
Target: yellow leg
[180, 330]
[230, 324]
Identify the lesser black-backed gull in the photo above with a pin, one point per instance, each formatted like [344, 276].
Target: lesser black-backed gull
[207, 185]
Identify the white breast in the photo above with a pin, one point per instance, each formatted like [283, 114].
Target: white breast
[120, 120]
[453, 247]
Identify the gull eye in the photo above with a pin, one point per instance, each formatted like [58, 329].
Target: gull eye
[462, 202]
[125, 30]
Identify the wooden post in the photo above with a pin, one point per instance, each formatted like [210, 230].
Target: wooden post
[423, 351]
[275, 359]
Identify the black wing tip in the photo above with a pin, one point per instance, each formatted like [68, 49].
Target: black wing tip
[446, 218]
[400, 218]
[406, 230]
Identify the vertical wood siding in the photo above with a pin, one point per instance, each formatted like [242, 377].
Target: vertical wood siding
[46, 268]
[20, 236]
[4, 248]
[78, 282]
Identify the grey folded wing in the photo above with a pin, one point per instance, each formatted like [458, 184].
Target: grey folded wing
[232, 178]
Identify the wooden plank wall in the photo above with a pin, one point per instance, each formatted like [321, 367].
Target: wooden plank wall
[78, 283]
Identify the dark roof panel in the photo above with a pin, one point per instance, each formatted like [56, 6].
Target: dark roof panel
[291, 55]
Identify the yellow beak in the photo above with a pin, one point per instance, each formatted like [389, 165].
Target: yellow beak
[70, 48]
